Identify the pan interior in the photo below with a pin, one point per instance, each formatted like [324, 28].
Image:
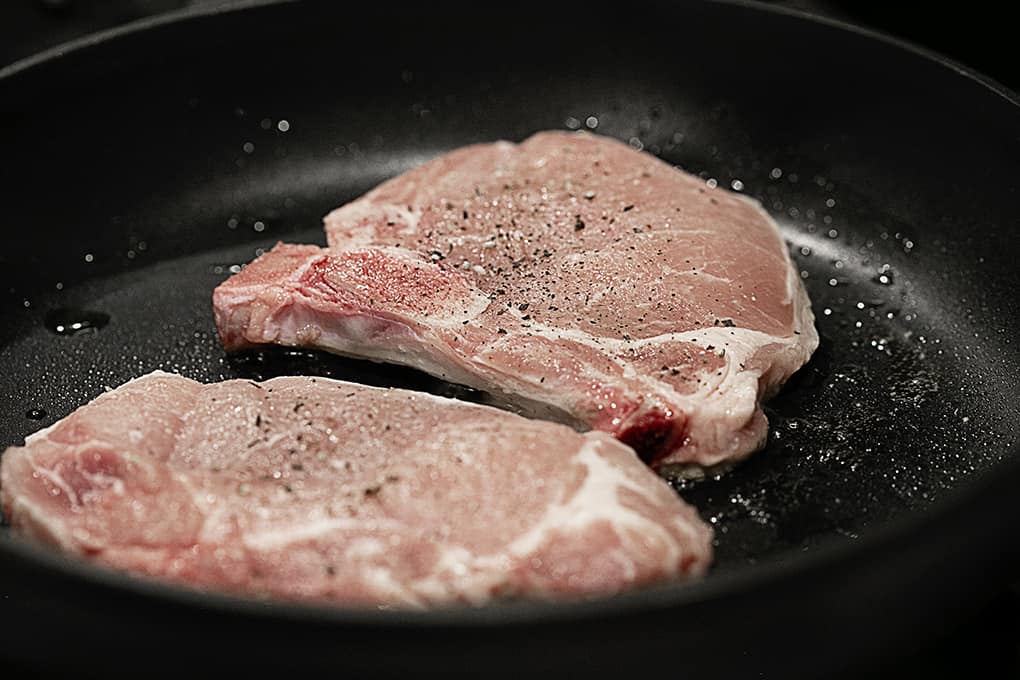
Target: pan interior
[127, 212]
[878, 423]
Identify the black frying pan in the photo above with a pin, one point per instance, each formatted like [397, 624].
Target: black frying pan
[139, 166]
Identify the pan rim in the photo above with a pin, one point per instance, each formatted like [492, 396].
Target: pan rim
[197, 12]
[901, 532]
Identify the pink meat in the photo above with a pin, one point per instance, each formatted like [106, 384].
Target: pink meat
[569, 274]
[316, 489]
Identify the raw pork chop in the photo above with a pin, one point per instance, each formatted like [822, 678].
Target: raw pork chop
[314, 488]
[570, 274]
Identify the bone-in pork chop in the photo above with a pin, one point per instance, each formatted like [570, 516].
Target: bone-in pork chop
[570, 274]
[311, 488]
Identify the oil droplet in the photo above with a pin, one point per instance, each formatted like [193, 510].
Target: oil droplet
[70, 322]
[35, 414]
[884, 276]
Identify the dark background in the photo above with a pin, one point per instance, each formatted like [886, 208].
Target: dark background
[976, 34]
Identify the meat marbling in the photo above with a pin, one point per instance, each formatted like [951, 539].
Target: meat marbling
[570, 274]
[318, 489]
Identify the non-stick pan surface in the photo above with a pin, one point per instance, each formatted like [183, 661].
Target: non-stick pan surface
[140, 168]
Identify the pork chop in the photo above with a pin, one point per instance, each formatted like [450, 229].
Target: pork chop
[311, 488]
[569, 274]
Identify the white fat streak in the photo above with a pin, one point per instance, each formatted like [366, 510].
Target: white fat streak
[712, 412]
[362, 548]
[271, 442]
[598, 500]
[597, 296]
[215, 523]
[31, 515]
[701, 274]
[460, 573]
[100, 480]
[478, 304]
[387, 588]
[739, 343]
[55, 524]
[284, 534]
[423, 351]
[59, 482]
[707, 336]
[376, 576]
[216, 516]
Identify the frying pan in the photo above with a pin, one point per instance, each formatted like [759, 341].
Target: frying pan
[141, 166]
